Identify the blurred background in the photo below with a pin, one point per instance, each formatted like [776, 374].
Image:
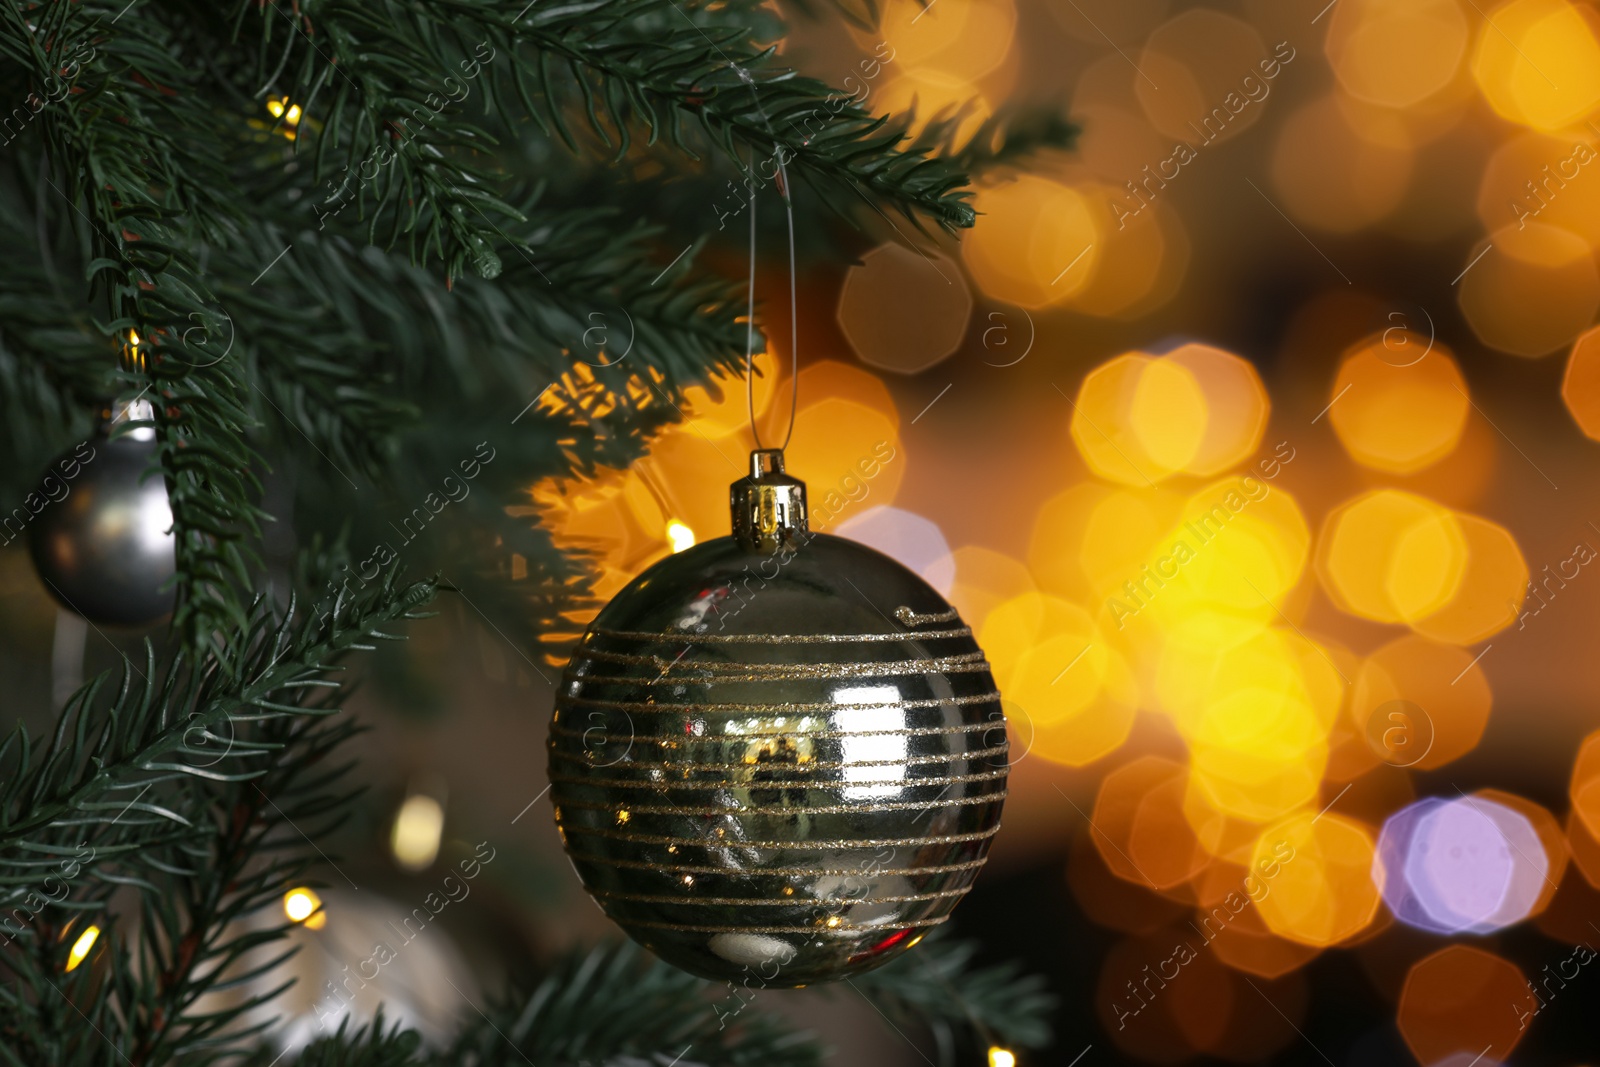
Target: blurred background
[1255, 437]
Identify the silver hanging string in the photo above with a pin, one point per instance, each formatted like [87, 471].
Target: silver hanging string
[782, 178]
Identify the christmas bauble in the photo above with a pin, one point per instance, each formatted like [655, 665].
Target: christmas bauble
[777, 756]
[359, 953]
[102, 541]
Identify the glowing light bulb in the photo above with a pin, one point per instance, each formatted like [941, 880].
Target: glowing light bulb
[304, 906]
[81, 947]
[418, 827]
[275, 107]
[133, 338]
[999, 1057]
[679, 535]
[294, 114]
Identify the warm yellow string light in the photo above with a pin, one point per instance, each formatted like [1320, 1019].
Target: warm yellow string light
[82, 946]
[303, 906]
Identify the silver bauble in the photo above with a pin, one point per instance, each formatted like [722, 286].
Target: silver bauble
[106, 547]
[777, 757]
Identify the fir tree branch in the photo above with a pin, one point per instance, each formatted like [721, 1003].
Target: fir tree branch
[1007, 138]
[630, 72]
[357, 1046]
[111, 137]
[937, 983]
[233, 785]
[383, 89]
[613, 1002]
[166, 725]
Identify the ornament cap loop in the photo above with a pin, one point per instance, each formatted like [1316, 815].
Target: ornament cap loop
[769, 506]
[129, 410]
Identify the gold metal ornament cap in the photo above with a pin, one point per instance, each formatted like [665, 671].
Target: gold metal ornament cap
[769, 507]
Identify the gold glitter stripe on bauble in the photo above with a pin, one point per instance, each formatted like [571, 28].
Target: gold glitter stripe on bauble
[627, 764]
[814, 846]
[674, 638]
[780, 809]
[773, 902]
[773, 735]
[731, 872]
[719, 670]
[832, 925]
[909, 617]
[833, 671]
[647, 707]
[835, 783]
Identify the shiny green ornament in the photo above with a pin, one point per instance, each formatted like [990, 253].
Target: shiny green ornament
[777, 757]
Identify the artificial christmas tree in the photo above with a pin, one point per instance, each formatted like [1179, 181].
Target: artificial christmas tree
[359, 249]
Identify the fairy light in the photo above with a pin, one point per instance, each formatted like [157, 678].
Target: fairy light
[418, 828]
[280, 108]
[679, 535]
[999, 1057]
[303, 906]
[82, 946]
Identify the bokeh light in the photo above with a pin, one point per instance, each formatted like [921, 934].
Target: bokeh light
[1315, 878]
[1543, 176]
[969, 40]
[847, 453]
[1247, 944]
[1094, 21]
[1139, 261]
[1427, 702]
[1089, 539]
[1116, 817]
[1202, 76]
[1584, 787]
[1530, 288]
[302, 905]
[1460, 865]
[1398, 404]
[1161, 842]
[1396, 52]
[1491, 590]
[1391, 556]
[915, 542]
[1038, 245]
[416, 832]
[1236, 407]
[1247, 546]
[1537, 62]
[1580, 386]
[723, 408]
[1462, 999]
[1552, 840]
[1074, 690]
[902, 310]
[1016, 624]
[1140, 419]
[1339, 172]
[984, 579]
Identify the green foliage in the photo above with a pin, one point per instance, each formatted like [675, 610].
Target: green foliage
[198, 790]
[938, 983]
[612, 1002]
